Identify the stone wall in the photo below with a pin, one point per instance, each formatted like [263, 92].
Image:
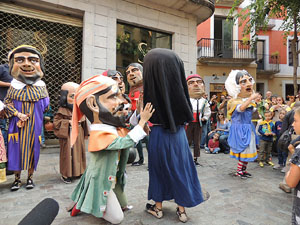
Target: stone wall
[99, 30]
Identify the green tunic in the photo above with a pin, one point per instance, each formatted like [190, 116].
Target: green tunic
[96, 182]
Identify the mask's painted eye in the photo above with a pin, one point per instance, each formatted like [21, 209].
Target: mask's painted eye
[19, 59]
[33, 60]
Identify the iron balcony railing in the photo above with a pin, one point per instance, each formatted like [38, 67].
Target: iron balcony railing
[218, 48]
[268, 63]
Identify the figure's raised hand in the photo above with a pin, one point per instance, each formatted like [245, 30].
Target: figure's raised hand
[254, 96]
[146, 114]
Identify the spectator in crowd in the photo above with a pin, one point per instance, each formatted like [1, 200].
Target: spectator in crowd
[214, 109]
[291, 101]
[205, 128]
[276, 108]
[48, 116]
[213, 145]
[293, 175]
[281, 154]
[268, 97]
[3, 154]
[287, 122]
[273, 100]
[5, 80]
[223, 105]
[267, 132]
[223, 126]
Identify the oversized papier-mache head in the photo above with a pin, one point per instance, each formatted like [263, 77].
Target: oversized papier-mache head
[117, 76]
[101, 101]
[134, 73]
[26, 64]
[195, 85]
[239, 83]
[67, 94]
[166, 88]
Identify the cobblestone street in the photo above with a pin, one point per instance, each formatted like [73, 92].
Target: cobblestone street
[257, 200]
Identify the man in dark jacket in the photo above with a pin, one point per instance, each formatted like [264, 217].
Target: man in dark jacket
[286, 124]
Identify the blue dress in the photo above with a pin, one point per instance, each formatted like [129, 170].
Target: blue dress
[172, 173]
[242, 138]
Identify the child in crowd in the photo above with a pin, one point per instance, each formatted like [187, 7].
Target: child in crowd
[213, 145]
[281, 154]
[293, 175]
[266, 130]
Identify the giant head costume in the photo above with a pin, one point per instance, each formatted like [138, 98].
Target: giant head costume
[134, 73]
[117, 76]
[100, 100]
[166, 88]
[67, 94]
[239, 83]
[26, 64]
[195, 85]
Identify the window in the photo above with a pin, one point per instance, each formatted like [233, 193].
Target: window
[289, 89]
[134, 42]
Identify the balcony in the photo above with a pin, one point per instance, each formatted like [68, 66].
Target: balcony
[218, 51]
[201, 9]
[267, 64]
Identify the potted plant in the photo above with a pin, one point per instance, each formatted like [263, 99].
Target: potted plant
[245, 40]
[126, 45]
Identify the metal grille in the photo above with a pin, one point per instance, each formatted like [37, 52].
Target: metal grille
[60, 44]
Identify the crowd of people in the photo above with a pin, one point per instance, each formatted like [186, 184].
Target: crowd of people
[164, 109]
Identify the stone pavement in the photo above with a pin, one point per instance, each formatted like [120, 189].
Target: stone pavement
[257, 200]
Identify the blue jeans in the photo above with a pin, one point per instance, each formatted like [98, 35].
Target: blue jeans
[216, 150]
[3, 128]
[205, 131]
[43, 135]
[223, 142]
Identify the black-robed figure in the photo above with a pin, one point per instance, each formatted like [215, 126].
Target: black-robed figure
[172, 173]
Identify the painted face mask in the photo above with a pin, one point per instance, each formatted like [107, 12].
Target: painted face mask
[26, 64]
[195, 86]
[134, 73]
[67, 95]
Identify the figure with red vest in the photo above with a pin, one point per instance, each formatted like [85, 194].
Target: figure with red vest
[201, 112]
[134, 73]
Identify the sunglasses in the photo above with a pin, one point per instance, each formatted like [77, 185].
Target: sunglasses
[220, 114]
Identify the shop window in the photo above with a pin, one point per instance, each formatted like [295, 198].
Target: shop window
[134, 42]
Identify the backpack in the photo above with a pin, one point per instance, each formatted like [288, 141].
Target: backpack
[285, 139]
